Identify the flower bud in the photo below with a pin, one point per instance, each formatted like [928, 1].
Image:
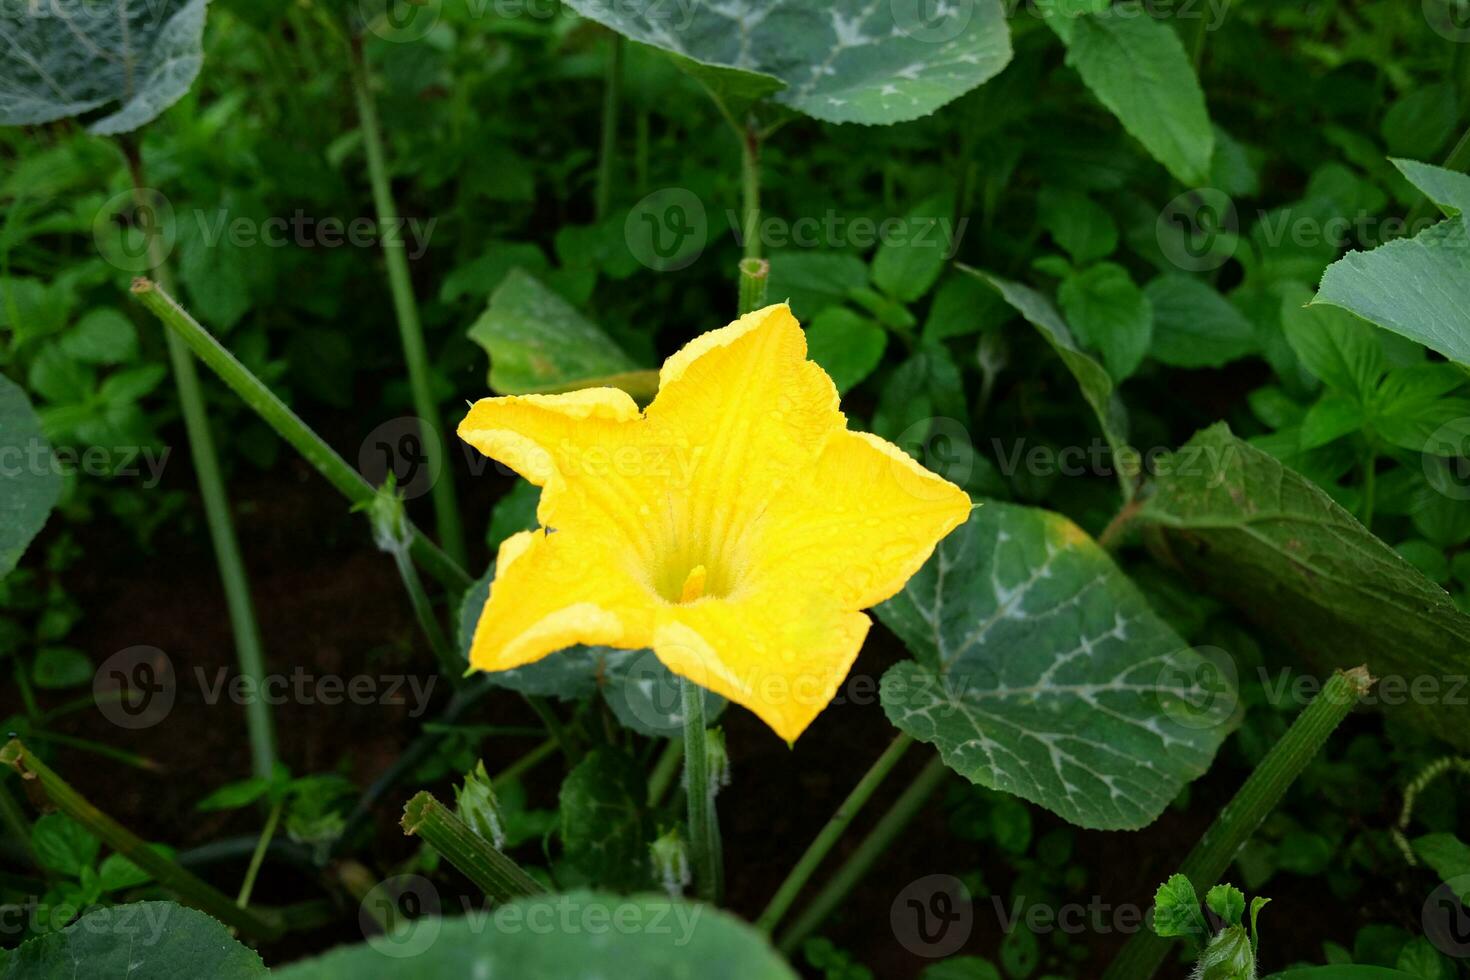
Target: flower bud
[670, 857]
[1228, 957]
[477, 806]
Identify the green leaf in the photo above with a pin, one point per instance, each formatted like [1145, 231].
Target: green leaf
[118, 872]
[1078, 224]
[1041, 671]
[846, 61]
[1342, 972]
[133, 58]
[644, 936]
[1448, 189]
[1139, 70]
[103, 336]
[513, 513]
[157, 940]
[1270, 541]
[1421, 122]
[846, 345]
[1417, 287]
[963, 305]
[1332, 417]
[1092, 377]
[538, 342]
[923, 389]
[602, 826]
[1257, 904]
[1334, 345]
[646, 697]
[812, 281]
[1410, 410]
[907, 264]
[30, 489]
[57, 668]
[1448, 856]
[1228, 902]
[1110, 314]
[59, 379]
[1176, 910]
[63, 845]
[233, 796]
[735, 89]
[961, 968]
[1194, 326]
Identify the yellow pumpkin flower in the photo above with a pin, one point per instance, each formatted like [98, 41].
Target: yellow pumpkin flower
[736, 526]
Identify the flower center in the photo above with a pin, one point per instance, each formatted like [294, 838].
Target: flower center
[684, 579]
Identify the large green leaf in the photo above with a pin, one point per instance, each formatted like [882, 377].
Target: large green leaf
[157, 940]
[841, 60]
[1139, 70]
[134, 58]
[1110, 314]
[602, 826]
[1042, 671]
[1271, 541]
[1417, 287]
[29, 479]
[538, 342]
[1194, 326]
[557, 937]
[1092, 377]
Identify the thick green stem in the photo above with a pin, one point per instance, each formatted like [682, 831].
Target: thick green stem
[831, 833]
[611, 91]
[704, 839]
[233, 580]
[1255, 800]
[257, 857]
[754, 274]
[286, 423]
[450, 664]
[750, 186]
[500, 878]
[410, 331]
[193, 891]
[873, 846]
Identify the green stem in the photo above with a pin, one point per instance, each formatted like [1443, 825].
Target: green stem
[500, 878]
[525, 763]
[662, 776]
[286, 423]
[1255, 800]
[704, 840]
[873, 846]
[612, 89]
[169, 875]
[831, 833]
[257, 858]
[410, 331]
[236, 585]
[754, 274]
[750, 186]
[1370, 478]
[14, 819]
[450, 664]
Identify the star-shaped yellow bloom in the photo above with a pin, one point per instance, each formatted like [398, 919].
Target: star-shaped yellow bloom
[736, 526]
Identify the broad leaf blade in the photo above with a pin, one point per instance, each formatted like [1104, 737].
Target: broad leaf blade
[1138, 68]
[30, 486]
[538, 342]
[1041, 671]
[646, 936]
[843, 60]
[136, 57]
[602, 827]
[159, 940]
[1270, 541]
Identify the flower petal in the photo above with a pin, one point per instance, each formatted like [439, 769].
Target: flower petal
[780, 660]
[532, 434]
[551, 592]
[863, 521]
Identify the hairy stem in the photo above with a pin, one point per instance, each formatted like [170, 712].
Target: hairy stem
[1254, 801]
[861, 861]
[405, 308]
[500, 878]
[287, 424]
[832, 832]
[704, 840]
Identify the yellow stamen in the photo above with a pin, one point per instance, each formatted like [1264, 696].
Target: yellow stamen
[693, 584]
